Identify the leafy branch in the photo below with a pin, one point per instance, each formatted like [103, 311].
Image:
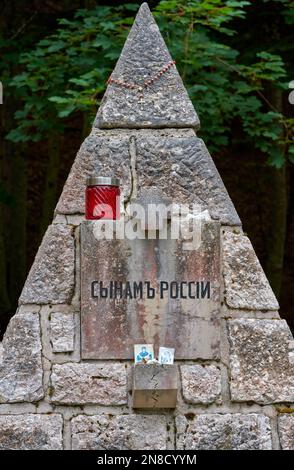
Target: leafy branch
[66, 73]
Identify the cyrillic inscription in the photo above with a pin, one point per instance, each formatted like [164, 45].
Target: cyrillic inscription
[149, 291]
[143, 289]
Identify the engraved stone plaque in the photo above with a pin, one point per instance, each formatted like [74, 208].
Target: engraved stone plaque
[146, 291]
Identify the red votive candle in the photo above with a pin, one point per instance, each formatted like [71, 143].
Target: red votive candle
[102, 198]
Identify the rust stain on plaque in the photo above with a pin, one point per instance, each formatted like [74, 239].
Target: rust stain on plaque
[111, 326]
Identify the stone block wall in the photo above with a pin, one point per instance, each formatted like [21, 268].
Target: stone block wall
[50, 399]
[240, 398]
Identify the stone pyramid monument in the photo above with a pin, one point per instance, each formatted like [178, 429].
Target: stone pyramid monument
[67, 368]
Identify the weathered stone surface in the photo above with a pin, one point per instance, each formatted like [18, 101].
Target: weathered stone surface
[104, 153]
[31, 432]
[155, 386]
[286, 431]
[163, 104]
[132, 432]
[201, 384]
[246, 285]
[51, 278]
[149, 196]
[62, 332]
[182, 168]
[224, 432]
[174, 160]
[259, 360]
[103, 384]
[111, 326]
[21, 372]
[291, 352]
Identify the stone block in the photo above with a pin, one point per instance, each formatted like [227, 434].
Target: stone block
[78, 384]
[173, 160]
[246, 285]
[31, 432]
[181, 166]
[155, 386]
[111, 325]
[259, 361]
[224, 432]
[21, 372]
[123, 432]
[163, 104]
[62, 332]
[201, 384]
[102, 153]
[51, 278]
[286, 430]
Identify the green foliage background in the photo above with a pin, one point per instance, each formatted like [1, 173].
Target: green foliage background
[66, 72]
[236, 60]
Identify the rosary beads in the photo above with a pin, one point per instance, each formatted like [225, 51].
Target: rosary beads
[147, 83]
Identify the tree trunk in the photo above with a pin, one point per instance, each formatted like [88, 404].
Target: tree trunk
[275, 242]
[50, 191]
[4, 297]
[16, 241]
